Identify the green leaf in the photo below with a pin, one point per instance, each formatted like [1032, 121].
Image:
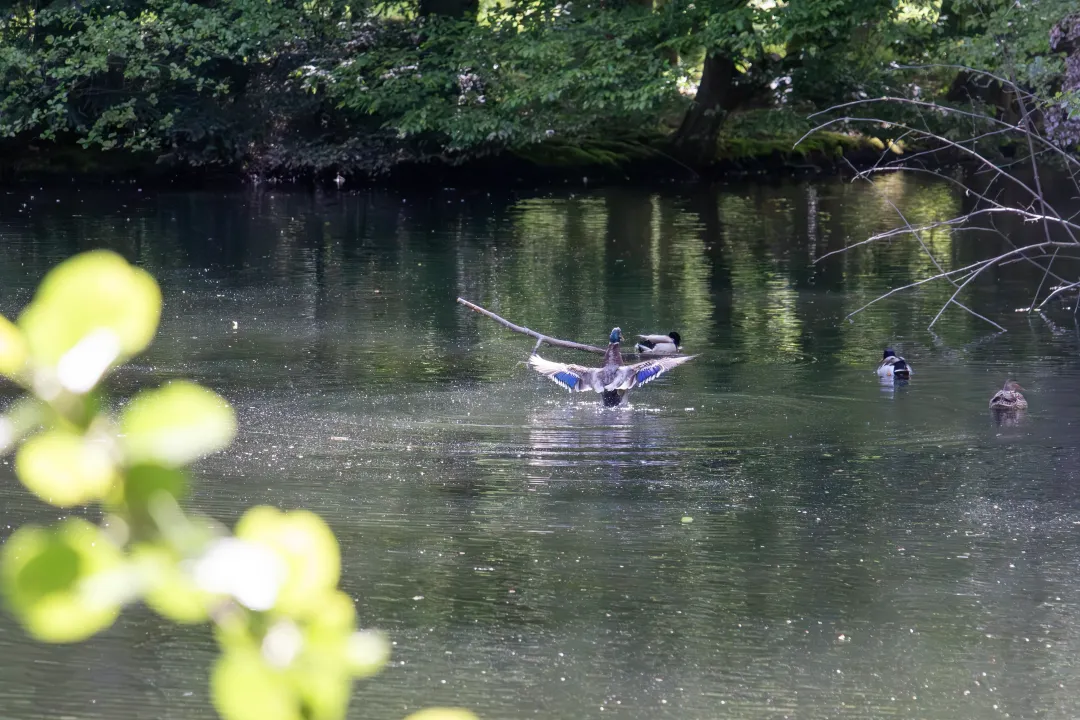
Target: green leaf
[143, 482]
[45, 576]
[308, 548]
[324, 688]
[90, 313]
[176, 424]
[331, 634]
[244, 687]
[22, 418]
[64, 468]
[366, 653]
[13, 350]
[443, 713]
[170, 591]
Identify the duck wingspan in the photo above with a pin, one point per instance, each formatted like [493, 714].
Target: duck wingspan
[629, 376]
[572, 377]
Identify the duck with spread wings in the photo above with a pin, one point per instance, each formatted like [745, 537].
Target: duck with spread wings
[612, 380]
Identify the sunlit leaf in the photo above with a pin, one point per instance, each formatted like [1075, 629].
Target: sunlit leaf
[176, 424]
[367, 652]
[89, 313]
[140, 485]
[170, 591]
[46, 579]
[331, 633]
[336, 616]
[22, 418]
[64, 468]
[324, 688]
[12, 349]
[443, 713]
[308, 548]
[243, 687]
[251, 572]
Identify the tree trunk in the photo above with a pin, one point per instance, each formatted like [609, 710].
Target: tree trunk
[695, 140]
[450, 8]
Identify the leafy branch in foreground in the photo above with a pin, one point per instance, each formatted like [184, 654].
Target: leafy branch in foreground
[1013, 186]
[289, 644]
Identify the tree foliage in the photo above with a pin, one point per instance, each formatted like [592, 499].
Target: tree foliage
[312, 86]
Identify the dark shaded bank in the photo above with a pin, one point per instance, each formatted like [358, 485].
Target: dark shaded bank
[597, 163]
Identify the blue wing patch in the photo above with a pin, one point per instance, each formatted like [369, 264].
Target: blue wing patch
[567, 379]
[646, 374]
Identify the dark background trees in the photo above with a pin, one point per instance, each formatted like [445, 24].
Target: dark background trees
[325, 86]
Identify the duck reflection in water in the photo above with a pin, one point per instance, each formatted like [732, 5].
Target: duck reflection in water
[1008, 418]
[585, 437]
[889, 385]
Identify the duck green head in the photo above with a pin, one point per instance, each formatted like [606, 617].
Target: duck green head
[616, 335]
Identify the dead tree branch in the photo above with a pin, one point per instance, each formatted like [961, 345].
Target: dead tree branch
[990, 202]
[540, 337]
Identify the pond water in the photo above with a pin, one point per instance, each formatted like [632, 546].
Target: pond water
[857, 549]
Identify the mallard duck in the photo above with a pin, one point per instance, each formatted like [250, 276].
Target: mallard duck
[612, 380]
[893, 366]
[659, 344]
[1009, 397]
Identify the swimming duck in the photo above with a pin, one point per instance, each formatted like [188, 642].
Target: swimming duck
[659, 344]
[893, 366]
[612, 380]
[1009, 397]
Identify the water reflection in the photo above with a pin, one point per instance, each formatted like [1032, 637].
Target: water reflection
[1008, 418]
[582, 436]
[858, 549]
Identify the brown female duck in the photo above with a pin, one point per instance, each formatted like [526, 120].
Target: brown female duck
[1009, 398]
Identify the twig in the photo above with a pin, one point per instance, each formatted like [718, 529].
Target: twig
[1068, 159]
[914, 231]
[981, 265]
[1058, 291]
[958, 146]
[1035, 298]
[952, 300]
[540, 337]
[1038, 209]
[930, 226]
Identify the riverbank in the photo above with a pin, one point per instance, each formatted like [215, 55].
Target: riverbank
[635, 160]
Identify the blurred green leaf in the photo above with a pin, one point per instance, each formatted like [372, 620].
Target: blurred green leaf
[324, 689]
[331, 634]
[176, 424]
[443, 713]
[308, 548]
[12, 349]
[22, 418]
[141, 484]
[90, 312]
[243, 687]
[64, 468]
[366, 653]
[170, 591]
[45, 578]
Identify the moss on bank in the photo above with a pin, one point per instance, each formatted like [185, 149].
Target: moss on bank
[752, 143]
